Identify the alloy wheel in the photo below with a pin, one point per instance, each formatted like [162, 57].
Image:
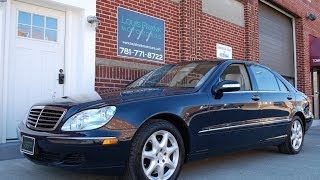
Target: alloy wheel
[296, 135]
[160, 155]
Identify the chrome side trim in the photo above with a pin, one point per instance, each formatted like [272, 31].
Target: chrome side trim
[277, 137]
[79, 138]
[228, 126]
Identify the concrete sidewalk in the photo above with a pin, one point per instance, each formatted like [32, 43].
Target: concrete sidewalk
[10, 150]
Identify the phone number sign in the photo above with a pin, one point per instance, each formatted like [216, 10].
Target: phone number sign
[140, 36]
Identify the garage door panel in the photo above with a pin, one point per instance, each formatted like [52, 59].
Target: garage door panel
[276, 40]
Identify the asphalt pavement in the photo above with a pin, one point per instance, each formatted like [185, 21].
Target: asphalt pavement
[263, 164]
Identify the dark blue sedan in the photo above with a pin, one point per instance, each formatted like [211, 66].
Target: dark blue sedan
[173, 114]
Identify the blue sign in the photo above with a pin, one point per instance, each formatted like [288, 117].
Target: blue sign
[140, 36]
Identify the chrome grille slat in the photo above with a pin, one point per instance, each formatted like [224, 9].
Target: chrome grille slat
[51, 113]
[32, 118]
[48, 116]
[34, 114]
[45, 118]
[36, 110]
[48, 120]
[44, 124]
[33, 123]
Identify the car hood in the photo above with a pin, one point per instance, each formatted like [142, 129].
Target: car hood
[114, 97]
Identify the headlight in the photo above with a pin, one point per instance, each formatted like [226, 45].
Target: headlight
[89, 119]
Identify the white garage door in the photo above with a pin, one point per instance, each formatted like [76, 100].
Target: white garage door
[276, 41]
[36, 56]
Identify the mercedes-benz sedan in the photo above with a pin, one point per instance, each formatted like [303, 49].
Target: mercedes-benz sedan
[173, 114]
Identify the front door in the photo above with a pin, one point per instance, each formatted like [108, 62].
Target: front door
[232, 112]
[36, 57]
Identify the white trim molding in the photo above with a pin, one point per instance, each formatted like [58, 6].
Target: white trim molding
[2, 41]
[5, 66]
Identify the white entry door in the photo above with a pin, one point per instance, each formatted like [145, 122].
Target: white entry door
[36, 56]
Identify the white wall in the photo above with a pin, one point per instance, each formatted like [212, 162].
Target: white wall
[79, 51]
[80, 43]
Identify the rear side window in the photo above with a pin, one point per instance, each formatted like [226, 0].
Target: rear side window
[282, 86]
[266, 81]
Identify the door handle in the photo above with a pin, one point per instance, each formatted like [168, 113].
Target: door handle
[289, 97]
[255, 98]
[61, 77]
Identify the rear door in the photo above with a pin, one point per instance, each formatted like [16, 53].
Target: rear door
[276, 103]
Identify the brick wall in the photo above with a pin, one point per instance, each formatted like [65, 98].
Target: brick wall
[116, 76]
[192, 34]
[215, 31]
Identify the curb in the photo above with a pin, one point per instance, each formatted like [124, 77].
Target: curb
[315, 122]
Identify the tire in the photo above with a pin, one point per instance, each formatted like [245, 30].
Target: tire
[295, 137]
[146, 153]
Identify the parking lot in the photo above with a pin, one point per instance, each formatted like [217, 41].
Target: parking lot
[259, 164]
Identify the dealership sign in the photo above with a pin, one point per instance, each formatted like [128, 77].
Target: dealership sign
[223, 51]
[315, 52]
[140, 36]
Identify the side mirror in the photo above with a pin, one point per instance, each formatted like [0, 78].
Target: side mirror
[226, 86]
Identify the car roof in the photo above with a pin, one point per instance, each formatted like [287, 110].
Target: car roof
[229, 61]
[226, 61]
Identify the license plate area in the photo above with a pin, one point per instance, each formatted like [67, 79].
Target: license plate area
[27, 145]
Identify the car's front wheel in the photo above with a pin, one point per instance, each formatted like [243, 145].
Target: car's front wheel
[157, 152]
[295, 137]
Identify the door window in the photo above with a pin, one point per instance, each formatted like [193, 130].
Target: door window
[37, 26]
[266, 81]
[282, 86]
[237, 72]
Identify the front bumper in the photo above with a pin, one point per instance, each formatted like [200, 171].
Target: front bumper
[78, 150]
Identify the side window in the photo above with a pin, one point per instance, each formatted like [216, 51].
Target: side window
[266, 80]
[282, 86]
[237, 72]
[37, 26]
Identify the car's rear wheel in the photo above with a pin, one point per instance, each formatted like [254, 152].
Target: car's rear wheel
[295, 137]
[157, 152]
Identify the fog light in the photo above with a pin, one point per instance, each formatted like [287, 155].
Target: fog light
[110, 141]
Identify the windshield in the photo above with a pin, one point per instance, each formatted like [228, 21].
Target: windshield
[189, 75]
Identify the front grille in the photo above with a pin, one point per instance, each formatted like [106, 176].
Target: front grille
[45, 118]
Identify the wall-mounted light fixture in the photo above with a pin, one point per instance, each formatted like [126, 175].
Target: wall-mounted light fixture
[94, 21]
[311, 17]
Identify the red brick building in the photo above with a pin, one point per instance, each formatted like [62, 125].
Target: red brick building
[277, 33]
